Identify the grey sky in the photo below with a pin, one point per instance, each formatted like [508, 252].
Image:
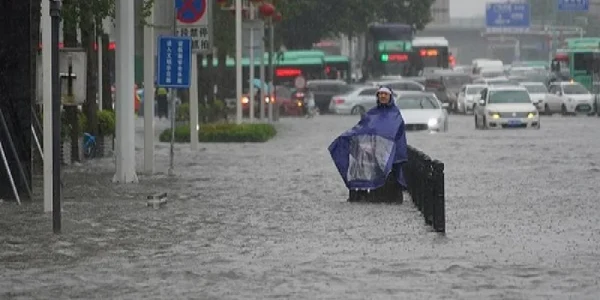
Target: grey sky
[468, 8]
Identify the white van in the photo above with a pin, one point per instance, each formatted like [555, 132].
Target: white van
[488, 65]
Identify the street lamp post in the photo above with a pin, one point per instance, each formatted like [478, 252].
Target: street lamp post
[238, 61]
[56, 102]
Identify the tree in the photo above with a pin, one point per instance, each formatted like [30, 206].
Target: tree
[87, 15]
[414, 12]
[306, 22]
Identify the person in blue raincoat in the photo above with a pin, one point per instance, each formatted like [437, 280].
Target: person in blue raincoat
[369, 156]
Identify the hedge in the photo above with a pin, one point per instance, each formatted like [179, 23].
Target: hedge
[223, 133]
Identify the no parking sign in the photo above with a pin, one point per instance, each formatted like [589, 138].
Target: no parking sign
[194, 20]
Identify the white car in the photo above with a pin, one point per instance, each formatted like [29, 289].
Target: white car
[355, 102]
[422, 112]
[505, 107]
[568, 98]
[466, 97]
[500, 80]
[537, 92]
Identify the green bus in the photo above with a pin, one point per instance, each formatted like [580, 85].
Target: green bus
[577, 60]
[293, 63]
[338, 67]
[288, 65]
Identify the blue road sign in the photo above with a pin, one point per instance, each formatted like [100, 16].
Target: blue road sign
[573, 5]
[190, 11]
[174, 62]
[507, 15]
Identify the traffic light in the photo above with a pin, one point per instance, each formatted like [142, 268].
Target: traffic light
[385, 57]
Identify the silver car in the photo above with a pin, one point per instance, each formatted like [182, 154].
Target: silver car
[400, 85]
[355, 102]
[422, 111]
[466, 97]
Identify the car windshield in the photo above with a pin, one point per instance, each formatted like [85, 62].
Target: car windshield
[509, 97]
[536, 88]
[474, 90]
[575, 89]
[417, 102]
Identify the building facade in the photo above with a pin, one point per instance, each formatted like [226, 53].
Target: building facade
[440, 12]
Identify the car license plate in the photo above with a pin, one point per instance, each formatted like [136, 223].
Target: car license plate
[514, 122]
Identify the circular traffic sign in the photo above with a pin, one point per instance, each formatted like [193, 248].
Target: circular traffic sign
[190, 11]
[300, 82]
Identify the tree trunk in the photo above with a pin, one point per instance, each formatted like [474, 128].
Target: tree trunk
[89, 106]
[107, 67]
[221, 74]
[209, 78]
[201, 89]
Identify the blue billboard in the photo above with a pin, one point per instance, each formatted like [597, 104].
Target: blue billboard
[507, 16]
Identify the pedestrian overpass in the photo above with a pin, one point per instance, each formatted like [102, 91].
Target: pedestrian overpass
[471, 40]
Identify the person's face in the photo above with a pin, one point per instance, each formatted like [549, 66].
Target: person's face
[384, 98]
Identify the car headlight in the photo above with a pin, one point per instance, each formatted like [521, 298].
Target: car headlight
[245, 100]
[432, 122]
[532, 114]
[494, 115]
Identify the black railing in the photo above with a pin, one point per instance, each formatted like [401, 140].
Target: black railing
[425, 179]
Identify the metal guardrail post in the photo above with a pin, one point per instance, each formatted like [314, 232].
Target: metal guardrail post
[439, 198]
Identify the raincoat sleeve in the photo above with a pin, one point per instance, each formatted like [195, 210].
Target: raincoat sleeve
[401, 145]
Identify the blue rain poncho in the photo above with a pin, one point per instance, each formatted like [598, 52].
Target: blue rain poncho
[365, 154]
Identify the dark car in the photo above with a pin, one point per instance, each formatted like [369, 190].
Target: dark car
[446, 86]
[323, 90]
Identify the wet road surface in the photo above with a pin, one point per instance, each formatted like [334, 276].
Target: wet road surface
[270, 221]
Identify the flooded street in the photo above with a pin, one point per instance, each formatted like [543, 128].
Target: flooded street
[264, 221]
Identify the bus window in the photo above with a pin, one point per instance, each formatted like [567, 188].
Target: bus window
[583, 61]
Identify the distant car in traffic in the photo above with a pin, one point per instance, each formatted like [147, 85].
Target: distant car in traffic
[537, 92]
[568, 98]
[505, 107]
[324, 89]
[446, 86]
[400, 85]
[500, 80]
[422, 111]
[466, 97]
[358, 100]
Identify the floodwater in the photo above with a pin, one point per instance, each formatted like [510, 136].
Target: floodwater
[265, 221]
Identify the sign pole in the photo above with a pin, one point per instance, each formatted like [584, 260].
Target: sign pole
[55, 122]
[251, 81]
[47, 85]
[125, 165]
[149, 61]
[272, 57]
[238, 61]
[173, 72]
[194, 20]
[263, 93]
[173, 113]
[194, 122]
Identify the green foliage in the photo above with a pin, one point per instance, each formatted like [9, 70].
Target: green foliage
[89, 11]
[308, 21]
[223, 133]
[66, 128]
[106, 122]
[212, 113]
